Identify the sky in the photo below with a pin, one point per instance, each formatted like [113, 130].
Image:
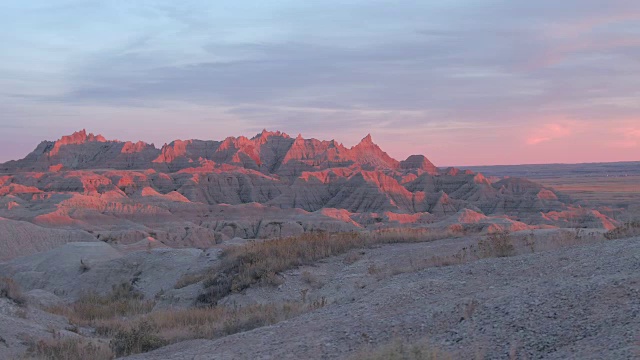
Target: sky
[464, 82]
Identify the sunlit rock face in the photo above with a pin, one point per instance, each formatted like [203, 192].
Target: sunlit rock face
[199, 192]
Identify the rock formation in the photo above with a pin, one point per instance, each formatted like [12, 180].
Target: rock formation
[199, 192]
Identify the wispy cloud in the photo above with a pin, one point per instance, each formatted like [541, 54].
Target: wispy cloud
[435, 72]
[552, 131]
[626, 137]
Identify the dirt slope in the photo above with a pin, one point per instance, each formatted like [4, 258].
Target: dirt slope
[576, 303]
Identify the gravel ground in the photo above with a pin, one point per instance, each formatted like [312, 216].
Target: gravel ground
[575, 303]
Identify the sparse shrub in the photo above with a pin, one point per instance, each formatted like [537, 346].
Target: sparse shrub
[108, 239]
[126, 317]
[124, 291]
[307, 277]
[627, 230]
[401, 350]
[352, 257]
[9, 289]
[138, 339]
[84, 266]
[159, 294]
[68, 349]
[318, 303]
[73, 329]
[530, 242]
[409, 235]
[311, 280]
[260, 262]
[497, 244]
[469, 309]
[373, 269]
[123, 300]
[563, 238]
[189, 279]
[181, 324]
[22, 313]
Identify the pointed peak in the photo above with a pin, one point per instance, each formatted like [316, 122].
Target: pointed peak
[77, 138]
[265, 134]
[80, 137]
[366, 142]
[367, 139]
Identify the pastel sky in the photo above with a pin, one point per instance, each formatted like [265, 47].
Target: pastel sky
[465, 82]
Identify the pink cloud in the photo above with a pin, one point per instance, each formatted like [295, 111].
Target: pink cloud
[626, 137]
[551, 131]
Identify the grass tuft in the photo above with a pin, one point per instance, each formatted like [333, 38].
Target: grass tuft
[400, 350]
[9, 289]
[68, 349]
[497, 244]
[123, 300]
[627, 230]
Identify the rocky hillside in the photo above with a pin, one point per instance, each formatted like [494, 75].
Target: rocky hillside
[201, 192]
[564, 304]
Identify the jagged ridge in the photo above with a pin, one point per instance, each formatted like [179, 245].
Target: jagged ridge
[267, 185]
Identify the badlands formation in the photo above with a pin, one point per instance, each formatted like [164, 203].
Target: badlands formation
[98, 236]
[197, 193]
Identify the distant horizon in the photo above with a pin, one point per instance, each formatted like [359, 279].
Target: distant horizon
[467, 82]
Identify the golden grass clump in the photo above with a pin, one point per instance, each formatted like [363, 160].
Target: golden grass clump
[68, 348]
[261, 262]
[123, 300]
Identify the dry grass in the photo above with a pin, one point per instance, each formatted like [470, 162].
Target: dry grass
[626, 230]
[136, 339]
[566, 238]
[261, 262]
[497, 244]
[501, 244]
[174, 325]
[353, 257]
[68, 349]
[123, 300]
[9, 289]
[400, 350]
[311, 280]
[189, 279]
[126, 318]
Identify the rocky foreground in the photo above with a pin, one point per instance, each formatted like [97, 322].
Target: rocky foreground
[565, 295]
[576, 303]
